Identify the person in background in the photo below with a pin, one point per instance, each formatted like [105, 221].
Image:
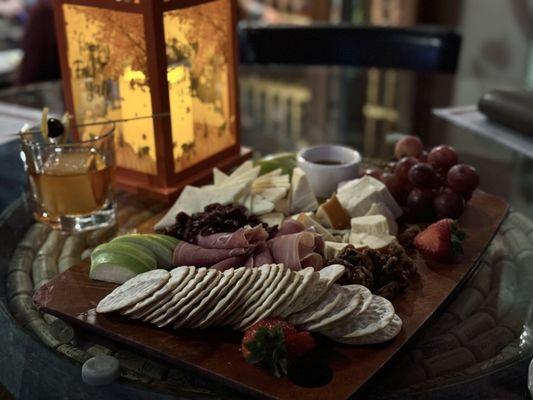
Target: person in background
[41, 60]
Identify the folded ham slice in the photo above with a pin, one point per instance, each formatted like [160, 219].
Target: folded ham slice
[190, 254]
[292, 245]
[298, 250]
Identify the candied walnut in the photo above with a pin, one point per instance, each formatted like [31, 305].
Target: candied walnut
[384, 272]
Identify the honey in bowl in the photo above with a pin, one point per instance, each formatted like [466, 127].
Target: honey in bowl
[327, 162]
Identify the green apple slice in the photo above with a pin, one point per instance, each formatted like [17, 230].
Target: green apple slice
[115, 267]
[169, 241]
[160, 249]
[141, 253]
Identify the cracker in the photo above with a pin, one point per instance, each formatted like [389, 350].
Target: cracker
[308, 276]
[258, 311]
[252, 292]
[351, 300]
[209, 300]
[377, 316]
[165, 299]
[382, 335]
[239, 279]
[276, 273]
[189, 300]
[177, 275]
[177, 295]
[132, 291]
[281, 300]
[318, 309]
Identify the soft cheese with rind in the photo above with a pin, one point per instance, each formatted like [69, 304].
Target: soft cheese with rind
[301, 195]
[358, 195]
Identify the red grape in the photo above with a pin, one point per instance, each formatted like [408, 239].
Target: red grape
[390, 166]
[420, 202]
[408, 146]
[463, 178]
[396, 187]
[422, 175]
[448, 204]
[443, 157]
[423, 157]
[403, 166]
[373, 172]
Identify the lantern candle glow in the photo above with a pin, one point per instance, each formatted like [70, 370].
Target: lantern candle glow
[174, 60]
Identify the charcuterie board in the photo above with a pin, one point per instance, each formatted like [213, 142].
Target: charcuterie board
[214, 353]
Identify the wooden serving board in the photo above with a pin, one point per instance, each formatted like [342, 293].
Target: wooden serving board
[215, 352]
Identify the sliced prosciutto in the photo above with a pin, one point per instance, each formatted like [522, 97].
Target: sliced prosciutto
[190, 254]
[241, 238]
[298, 250]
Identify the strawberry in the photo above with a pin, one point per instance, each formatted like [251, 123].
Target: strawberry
[440, 241]
[272, 342]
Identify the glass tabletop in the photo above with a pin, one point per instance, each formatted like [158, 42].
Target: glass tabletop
[474, 347]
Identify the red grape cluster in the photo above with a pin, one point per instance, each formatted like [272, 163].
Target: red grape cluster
[428, 185]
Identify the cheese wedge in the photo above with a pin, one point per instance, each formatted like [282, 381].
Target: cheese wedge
[273, 219]
[332, 215]
[309, 222]
[375, 242]
[260, 206]
[301, 196]
[273, 194]
[271, 174]
[244, 167]
[219, 177]
[333, 249]
[381, 209]
[357, 196]
[371, 224]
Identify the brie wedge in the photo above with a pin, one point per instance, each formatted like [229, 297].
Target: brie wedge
[372, 224]
[375, 242]
[381, 209]
[301, 195]
[332, 215]
[357, 196]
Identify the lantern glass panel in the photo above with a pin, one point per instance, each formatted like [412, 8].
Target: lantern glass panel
[199, 63]
[108, 68]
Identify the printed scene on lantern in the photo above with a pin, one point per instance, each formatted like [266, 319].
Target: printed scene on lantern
[108, 74]
[199, 57]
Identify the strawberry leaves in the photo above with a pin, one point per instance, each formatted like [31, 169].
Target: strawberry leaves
[457, 236]
[268, 350]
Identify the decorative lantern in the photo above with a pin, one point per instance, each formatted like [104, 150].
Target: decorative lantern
[168, 67]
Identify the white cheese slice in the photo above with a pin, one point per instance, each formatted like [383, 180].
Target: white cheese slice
[246, 177]
[273, 194]
[309, 222]
[382, 209]
[243, 168]
[219, 177]
[271, 174]
[301, 196]
[260, 206]
[272, 219]
[375, 242]
[372, 224]
[332, 249]
[357, 196]
[187, 202]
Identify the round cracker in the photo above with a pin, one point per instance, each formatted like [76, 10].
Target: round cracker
[380, 336]
[266, 275]
[177, 275]
[281, 301]
[351, 299]
[308, 276]
[269, 300]
[240, 277]
[318, 309]
[251, 294]
[187, 302]
[238, 298]
[378, 315]
[167, 298]
[177, 295]
[208, 301]
[134, 290]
